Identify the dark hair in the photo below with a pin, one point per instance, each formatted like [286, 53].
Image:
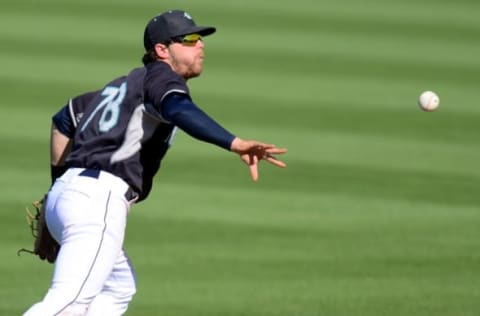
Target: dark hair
[149, 57]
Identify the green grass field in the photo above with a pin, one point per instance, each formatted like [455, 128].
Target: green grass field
[378, 211]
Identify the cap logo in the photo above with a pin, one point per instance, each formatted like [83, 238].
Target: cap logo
[186, 15]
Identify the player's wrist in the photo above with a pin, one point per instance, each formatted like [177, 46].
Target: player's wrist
[235, 145]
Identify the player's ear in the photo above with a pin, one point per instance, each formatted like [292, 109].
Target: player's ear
[161, 51]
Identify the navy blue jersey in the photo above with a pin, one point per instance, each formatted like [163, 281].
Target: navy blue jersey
[120, 128]
[127, 127]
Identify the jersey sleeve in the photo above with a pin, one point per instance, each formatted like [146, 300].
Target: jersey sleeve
[160, 81]
[178, 109]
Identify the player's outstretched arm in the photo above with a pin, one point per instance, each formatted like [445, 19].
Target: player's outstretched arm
[252, 151]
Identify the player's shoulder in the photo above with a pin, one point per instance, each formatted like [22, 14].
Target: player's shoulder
[78, 105]
[162, 72]
[81, 101]
[160, 79]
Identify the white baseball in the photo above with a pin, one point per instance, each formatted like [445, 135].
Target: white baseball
[428, 101]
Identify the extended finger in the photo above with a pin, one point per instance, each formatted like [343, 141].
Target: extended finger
[275, 150]
[275, 161]
[253, 166]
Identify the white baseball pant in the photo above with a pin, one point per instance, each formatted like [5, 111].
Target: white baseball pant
[86, 212]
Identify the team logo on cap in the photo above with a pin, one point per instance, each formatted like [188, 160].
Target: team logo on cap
[186, 15]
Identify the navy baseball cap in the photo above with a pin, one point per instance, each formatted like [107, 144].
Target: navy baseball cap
[173, 23]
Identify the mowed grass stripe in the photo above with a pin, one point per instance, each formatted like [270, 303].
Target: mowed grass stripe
[350, 180]
[426, 13]
[325, 213]
[65, 70]
[74, 49]
[328, 51]
[121, 10]
[124, 10]
[397, 156]
[43, 99]
[356, 25]
[69, 28]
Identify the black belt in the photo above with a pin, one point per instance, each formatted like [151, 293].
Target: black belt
[91, 173]
[130, 195]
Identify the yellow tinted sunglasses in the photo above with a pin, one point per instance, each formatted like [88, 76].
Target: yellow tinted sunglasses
[188, 40]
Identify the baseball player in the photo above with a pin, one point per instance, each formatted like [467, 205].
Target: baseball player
[106, 147]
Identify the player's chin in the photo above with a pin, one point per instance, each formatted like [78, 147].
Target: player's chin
[195, 71]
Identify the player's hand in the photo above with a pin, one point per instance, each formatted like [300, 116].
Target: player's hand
[252, 151]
